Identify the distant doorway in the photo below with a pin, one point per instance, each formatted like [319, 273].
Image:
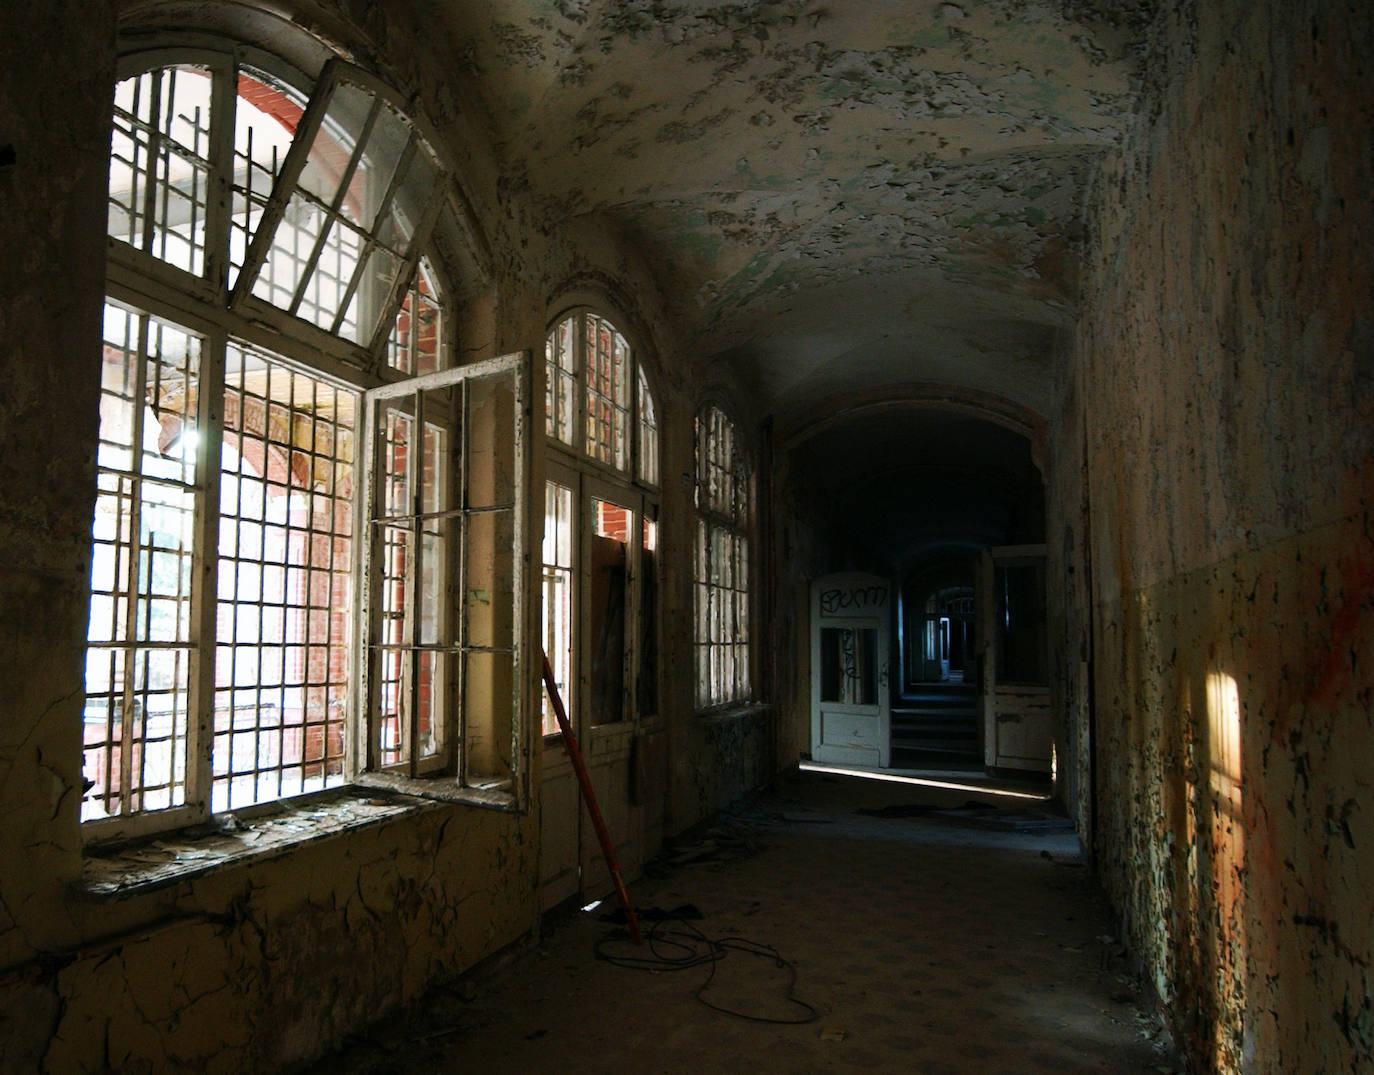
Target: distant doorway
[942, 636]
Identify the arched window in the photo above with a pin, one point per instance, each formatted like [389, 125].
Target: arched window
[588, 406]
[600, 528]
[270, 258]
[721, 562]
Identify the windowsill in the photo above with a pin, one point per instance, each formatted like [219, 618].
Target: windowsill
[262, 833]
[442, 789]
[733, 714]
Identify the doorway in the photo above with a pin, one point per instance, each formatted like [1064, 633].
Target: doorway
[600, 595]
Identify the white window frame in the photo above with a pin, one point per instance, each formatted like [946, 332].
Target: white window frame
[452, 761]
[202, 305]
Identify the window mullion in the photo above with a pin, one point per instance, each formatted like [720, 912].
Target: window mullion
[419, 239]
[458, 722]
[205, 572]
[414, 583]
[219, 200]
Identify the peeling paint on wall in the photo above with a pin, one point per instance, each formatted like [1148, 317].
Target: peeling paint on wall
[1225, 504]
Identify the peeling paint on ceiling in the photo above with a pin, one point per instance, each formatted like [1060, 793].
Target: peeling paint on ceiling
[890, 188]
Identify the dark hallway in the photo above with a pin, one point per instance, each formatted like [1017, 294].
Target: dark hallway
[937, 932]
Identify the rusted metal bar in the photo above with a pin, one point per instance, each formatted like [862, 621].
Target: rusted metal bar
[589, 797]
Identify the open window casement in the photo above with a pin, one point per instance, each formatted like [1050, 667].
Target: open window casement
[444, 683]
[349, 215]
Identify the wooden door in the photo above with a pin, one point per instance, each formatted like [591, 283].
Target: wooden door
[850, 704]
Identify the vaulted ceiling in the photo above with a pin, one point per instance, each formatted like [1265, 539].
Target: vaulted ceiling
[835, 198]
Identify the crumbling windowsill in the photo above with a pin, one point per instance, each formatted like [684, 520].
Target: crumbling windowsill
[442, 789]
[735, 714]
[266, 832]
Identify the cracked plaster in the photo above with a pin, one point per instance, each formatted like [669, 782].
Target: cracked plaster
[941, 147]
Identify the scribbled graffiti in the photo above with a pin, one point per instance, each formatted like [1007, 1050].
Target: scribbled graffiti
[853, 599]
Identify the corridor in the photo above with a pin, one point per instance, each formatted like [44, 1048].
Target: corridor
[931, 930]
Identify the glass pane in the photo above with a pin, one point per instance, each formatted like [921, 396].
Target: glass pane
[646, 681]
[386, 143]
[293, 244]
[648, 432]
[606, 384]
[409, 201]
[849, 665]
[333, 147]
[490, 425]
[1020, 594]
[414, 347]
[439, 540]
[282, 666]
[489, 690]
[490, 577]
[394, 495]
[266, 115]
[607, 587]
[159, 164]
[560, 383]
[374, 286]
[323, 295]
[134, 732]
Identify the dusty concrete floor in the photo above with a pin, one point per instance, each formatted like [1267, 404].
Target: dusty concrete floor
[925, 943]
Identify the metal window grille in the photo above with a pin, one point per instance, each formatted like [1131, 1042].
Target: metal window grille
[141, 655]
[285, 582]
[160, 165]
[560, 380]
[216, 700]
[721, 563]
[647, 457]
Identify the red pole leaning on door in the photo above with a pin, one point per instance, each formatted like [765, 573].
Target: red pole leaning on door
[589, 797]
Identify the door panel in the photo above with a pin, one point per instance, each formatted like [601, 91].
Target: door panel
[850, 705]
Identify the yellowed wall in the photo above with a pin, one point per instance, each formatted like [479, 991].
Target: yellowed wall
[1214, 482]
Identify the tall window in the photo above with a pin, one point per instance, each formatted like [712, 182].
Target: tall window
[269, 259]
[600, 532]
[721, 562]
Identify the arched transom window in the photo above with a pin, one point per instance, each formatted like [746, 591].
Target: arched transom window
[588, 406]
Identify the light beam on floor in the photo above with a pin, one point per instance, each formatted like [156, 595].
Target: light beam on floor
[923, 781]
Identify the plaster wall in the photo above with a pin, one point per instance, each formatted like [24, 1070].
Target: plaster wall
[1223, 382]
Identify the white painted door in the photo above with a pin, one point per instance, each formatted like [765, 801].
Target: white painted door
[850, 707]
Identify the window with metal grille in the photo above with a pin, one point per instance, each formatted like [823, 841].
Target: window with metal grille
[588, 371]
[600, 566]
[721, 562]
[270, 259]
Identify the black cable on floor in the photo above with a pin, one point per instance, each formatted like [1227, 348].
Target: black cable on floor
[684, 946]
